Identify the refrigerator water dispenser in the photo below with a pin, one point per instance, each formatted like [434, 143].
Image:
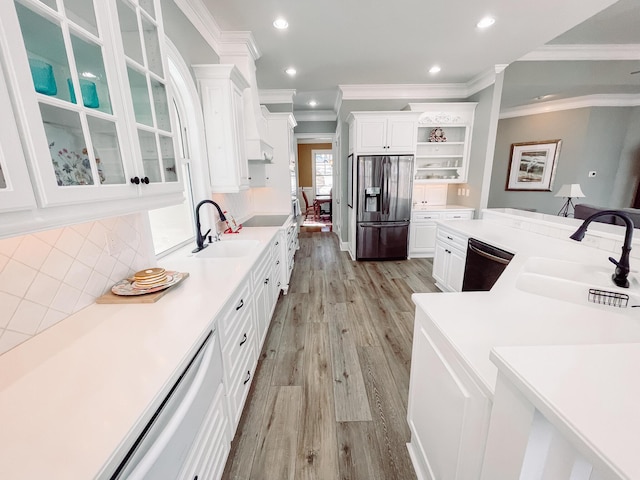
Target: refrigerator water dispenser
[372, 199]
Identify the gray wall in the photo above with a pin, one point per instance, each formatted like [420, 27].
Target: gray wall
[592, 139]
[478, 153]
[628, 176]
[192, 47]
[328, 127]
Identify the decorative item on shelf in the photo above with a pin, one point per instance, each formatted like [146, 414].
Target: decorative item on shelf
[71, 168]
[437, 135]
[43, 79]
[88, 90]
[569, 191]
[532, 165]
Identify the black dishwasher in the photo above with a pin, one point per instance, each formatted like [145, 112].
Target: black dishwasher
[484, 264]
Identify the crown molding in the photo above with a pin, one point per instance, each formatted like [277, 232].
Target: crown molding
[272, 96]
[337, 105]
[586, 101]
[583, 52]
[201, 18]
[238, 43]
[315, 137]
[315, 115]
[422, 91]
[402, 91]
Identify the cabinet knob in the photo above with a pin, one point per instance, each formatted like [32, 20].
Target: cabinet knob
[135, 180]
[145, 180]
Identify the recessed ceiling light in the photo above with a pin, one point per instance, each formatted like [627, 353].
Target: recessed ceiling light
[486, 22]
[280, 23]
[434, 69]
[313, 103]
[291, 71]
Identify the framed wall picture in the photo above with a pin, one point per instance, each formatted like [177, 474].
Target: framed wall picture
[350, 181]
[532, 165]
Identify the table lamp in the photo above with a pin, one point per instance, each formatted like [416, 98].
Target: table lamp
[569, 191]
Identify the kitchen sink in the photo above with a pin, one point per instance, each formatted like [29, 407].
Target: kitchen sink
[228, 249]
[583, 284]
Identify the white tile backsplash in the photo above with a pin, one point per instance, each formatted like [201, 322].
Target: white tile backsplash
[47, 276]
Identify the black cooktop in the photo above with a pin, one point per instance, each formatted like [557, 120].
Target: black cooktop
[266, 221]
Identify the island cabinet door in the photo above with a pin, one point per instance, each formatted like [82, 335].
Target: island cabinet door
[448, 414]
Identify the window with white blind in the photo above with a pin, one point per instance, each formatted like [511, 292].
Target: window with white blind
[322, 171]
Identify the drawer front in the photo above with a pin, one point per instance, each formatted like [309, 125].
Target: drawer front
[239, 386]
[453, 239]
[239, 304]
[462, 215]
[425, 216]
[240, 345]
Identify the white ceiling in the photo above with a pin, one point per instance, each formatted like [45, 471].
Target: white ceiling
[357, 42]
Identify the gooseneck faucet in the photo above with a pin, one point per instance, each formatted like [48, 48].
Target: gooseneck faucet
[199, 236]
[621, 273]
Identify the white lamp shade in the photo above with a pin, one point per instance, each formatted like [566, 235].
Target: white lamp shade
[570, 190]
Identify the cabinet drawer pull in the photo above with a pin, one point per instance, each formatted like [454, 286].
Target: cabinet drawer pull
[277, 243]
[248, 377]
[266, 281]
[449, 237]
[240, 305]
[279, 284]
[278, 262]
[244, 339]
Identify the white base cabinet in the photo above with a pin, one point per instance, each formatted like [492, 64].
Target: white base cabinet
[422, 232]
[448, 413]
[449, 260]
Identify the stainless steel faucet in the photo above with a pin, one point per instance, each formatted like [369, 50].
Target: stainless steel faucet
[199, 236]
[621, 273]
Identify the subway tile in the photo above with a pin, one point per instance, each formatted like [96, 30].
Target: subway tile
[32, 251]
[16, 277]
[57, 264]
[27, 317]
[8, 305]
[70, 242]
[43, 289]
[78, 275]
[10, 339]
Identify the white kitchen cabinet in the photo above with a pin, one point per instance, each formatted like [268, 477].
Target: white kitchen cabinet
[275, 285]
[449, 259]
[448, 413]
[261, 277]
[384, 133]
[15, 187]
[221, 90]
[116, 143]
[238, 339]
[422, 234]
[288, 251]
[443, 141]
[429, 195]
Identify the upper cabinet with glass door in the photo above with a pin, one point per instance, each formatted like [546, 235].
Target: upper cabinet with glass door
[74, 101]
[146, 71]
[15, 187]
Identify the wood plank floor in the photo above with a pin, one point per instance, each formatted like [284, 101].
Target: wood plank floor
[329, 398]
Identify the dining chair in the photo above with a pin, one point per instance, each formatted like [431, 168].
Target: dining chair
[309, 209]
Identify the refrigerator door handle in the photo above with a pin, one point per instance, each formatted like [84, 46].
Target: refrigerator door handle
[386, 173]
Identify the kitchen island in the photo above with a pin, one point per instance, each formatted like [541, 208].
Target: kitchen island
[453, 378]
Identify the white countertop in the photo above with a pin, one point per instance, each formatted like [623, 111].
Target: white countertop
[475, 322]
[590, 393]
[71, 395]
[439, 208]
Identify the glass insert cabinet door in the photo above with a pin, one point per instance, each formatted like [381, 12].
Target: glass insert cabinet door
[16, 192]
[146, 74]
[77, 104]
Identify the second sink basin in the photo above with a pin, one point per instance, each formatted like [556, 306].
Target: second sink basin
[228, 249]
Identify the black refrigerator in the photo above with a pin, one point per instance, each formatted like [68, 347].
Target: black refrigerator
[383, 206]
